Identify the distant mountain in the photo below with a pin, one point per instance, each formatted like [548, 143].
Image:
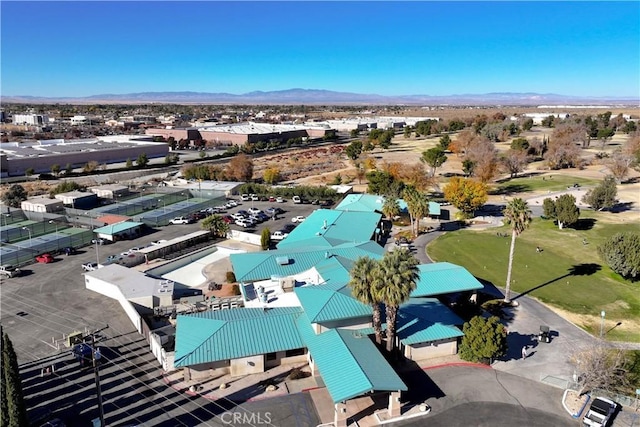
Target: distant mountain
[316, 96]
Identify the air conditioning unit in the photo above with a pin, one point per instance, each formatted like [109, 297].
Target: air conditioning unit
[282, 260]
[287, 284]
[74, 338]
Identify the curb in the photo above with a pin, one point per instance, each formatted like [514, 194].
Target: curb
[467, 364]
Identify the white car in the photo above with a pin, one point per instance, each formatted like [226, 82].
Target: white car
[296, 199]
[279, 235]
[232, 203]
[243, 223]
[90, 266]
[279, 199]
[600, 412]
[255, 198]
[254, 211]
[298, 218]
[180, 220]
[9, 271]
[244, 197]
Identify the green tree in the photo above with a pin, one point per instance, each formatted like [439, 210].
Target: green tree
[364, 285]
[466, 194]
[518, 216]
[65, 187]
[385, 139]
[483, 340]
[390, 207]
[55, 169]
[216, 225]
[16, 415]
[548, 121]
[381, 182]
[265, 239]
[354, 133]
[14, 196]
[354, 150]
[142, 160]
[129, 164]
[68, 168]
[527, 124]
[621, 252]
[520, 144]
[434, 157]
[567, 213]
[397, 279]
[445, 142]
[603, 196]
[29, 171]
[468, 166]
[549, 208]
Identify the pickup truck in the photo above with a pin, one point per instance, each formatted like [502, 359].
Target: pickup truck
[278, 235]
[600, 412]
[181, 220]
[9, 271]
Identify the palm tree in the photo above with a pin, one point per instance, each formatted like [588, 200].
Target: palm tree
[363, 286]
[398, 277]
[518, 216]
[216, 225]
[390, 207]
[418, 207]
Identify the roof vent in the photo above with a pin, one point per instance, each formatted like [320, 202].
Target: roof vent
[282, 260]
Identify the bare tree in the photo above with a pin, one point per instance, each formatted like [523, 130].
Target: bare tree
[599, 366]
[619, 164]
[514, 162]
[485, 156]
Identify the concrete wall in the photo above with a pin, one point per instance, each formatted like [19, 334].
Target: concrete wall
[282, 359]
[207, 370]
[357, 323]
[429, 350]
[241, 236]
[247, 365]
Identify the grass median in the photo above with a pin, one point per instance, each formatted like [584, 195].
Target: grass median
[567, 274]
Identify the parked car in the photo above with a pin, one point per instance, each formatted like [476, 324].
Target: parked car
[296, 199]
[69, 250]
[90, 266]
[279, 235]
[255, 197]
[600, 412]
[243, 223]
[263, 216]
[272, 199]
[243, 212]
[45, 258]
[244, 197]
[232, 203]
[273, 211]
[289, 227]
[9, 271]
[158, 242]
[100, 241]
[298, 218]
[181, 220]
[280, 199]
[255, 218]
[402, 241]
[254, 211]
[227, 218]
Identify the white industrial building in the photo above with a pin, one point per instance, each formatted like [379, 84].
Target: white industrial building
[30, 119]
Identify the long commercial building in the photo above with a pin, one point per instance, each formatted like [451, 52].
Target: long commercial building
[18, 157]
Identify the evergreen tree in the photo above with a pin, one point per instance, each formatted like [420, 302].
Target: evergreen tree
[567, 213]
[603, 196]
[484, 339]
[621, 252]
[16, 414]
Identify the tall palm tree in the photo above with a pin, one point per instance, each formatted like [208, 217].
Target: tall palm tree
[418, 207]
[363, 286]
[398, 277]
[518, 216]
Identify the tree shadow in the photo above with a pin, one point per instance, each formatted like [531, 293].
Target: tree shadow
[575, 270]
[515, 342]
[509, 188]
[621, 207]
[584, 224]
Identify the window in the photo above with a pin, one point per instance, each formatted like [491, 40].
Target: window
[295, 352]
[271, 356]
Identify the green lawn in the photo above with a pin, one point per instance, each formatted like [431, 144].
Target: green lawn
[536, 183]
[567, 273]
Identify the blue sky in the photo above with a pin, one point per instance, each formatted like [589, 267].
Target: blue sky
[388, 48]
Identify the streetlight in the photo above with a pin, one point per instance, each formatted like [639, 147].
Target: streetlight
[96, 239]
[602, 314]
[164, 205]
[56, 224]
[29, 230]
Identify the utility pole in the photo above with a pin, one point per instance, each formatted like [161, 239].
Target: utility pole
[96, 356]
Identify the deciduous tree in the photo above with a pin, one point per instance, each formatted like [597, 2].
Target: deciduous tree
[514, 162]
[466, 194]
[598, 366]
[271, 175]
[240, 168]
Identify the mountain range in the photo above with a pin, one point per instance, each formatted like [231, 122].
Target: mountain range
[326, 97]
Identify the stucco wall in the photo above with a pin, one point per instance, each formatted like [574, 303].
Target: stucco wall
[247, 365]
[426, 350]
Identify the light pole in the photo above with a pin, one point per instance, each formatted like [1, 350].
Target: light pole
[29, 230]
[164, 205]
[96, 355]
[602, 314]
[95, 238]
[54, 223]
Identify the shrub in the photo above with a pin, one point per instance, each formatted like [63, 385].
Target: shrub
[231, 277]
[297, 374]
[235, 289]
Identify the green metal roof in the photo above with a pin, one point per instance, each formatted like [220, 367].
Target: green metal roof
[426, 319]
[262, 265]
[444, 278]
[322, 304]
[328, 228]
[350, 364]
[230, 334]
[372, 203]
[119, 227]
